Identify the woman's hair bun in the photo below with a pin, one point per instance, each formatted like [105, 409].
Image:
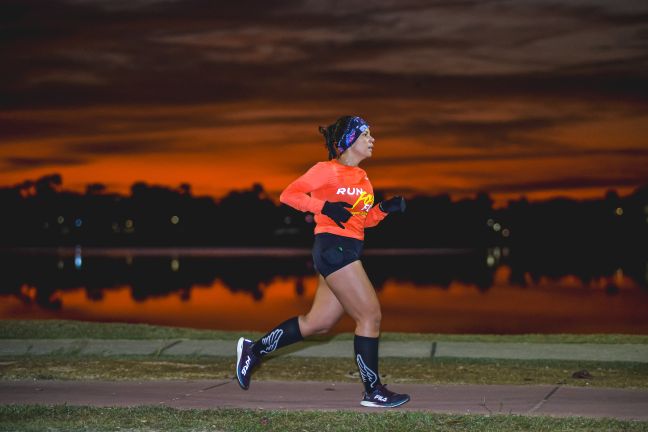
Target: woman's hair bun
[333, 133]
[323, 131]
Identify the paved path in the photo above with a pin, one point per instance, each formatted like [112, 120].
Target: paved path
[534, 351]
[460, 399]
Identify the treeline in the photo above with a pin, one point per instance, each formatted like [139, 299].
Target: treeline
[42, 213]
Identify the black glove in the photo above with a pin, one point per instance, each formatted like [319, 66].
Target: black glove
[396, 204]
[337, 211]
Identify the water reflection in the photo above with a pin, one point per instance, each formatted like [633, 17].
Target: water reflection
[153, 276]
[48, 282]
[147, 276]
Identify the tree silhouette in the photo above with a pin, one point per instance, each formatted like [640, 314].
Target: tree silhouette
[42, 213]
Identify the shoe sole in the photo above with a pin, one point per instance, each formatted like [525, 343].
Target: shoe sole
[376, 405]
[239, 351]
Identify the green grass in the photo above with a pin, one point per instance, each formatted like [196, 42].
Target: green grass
[62, 329]
[394, 370]
[68, 418]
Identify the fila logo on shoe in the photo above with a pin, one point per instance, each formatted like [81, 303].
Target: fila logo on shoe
[246, 367]
[380, 398]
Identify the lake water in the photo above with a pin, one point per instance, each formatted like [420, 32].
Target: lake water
[443, 291]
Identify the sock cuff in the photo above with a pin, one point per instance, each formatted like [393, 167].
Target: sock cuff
[366, 338]
[295, 322]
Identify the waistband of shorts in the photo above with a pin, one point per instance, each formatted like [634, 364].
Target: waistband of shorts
[332, 236]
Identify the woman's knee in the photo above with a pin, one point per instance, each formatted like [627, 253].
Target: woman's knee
[370, 319]
[314, 326]
[322, 329]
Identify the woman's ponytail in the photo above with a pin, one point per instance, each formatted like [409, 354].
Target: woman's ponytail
[332, 135]
[329, 142]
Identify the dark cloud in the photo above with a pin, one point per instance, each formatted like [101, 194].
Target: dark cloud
[603, 13]
[96, 78]
[484, 134]
[125, 147]
[113, 121]
[20, 163]
[565, 183]
[497, 156]
[11, 128]
[184, 52]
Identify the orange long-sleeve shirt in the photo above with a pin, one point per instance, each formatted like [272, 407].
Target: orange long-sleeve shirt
[333, 181]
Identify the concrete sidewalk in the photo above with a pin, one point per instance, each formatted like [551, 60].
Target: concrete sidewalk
[182, 347]
[460, 399]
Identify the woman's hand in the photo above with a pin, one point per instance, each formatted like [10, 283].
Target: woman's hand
[337, 211]
[396, 204]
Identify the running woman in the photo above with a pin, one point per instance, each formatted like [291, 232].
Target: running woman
[339, 194]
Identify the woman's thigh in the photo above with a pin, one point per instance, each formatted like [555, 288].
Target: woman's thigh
[325, 311]
[354, 291]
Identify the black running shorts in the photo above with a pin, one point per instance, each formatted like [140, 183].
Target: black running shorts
[332, 252]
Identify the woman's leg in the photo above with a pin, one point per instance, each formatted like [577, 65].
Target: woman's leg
[354, 291]
[325, 312]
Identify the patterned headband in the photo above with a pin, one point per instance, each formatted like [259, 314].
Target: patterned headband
[353, 130]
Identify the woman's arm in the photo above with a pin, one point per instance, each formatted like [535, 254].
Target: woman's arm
[374, 217]
[296, 194]
[379, 212]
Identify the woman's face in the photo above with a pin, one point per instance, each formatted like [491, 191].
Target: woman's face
[363, 146]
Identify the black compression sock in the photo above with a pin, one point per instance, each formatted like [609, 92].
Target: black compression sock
[366, 354]
[284, 334]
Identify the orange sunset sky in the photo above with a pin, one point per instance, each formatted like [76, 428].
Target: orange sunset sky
[515, 98]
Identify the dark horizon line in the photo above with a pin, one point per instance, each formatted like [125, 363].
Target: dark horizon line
[408, 193]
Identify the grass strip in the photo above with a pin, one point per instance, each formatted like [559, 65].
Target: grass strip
[68, 329]
[394, 370]
[69, 418]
